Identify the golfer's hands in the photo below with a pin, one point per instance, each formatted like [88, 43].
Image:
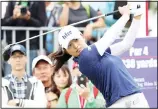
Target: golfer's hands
[83, 91]
[125, 10]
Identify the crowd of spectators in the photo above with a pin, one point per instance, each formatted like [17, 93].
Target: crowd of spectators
[41, 86]
[46, 88]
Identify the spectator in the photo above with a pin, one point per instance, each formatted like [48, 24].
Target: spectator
[3, 8]
[107, 7]
[61, 80]
[97, 6]
[25, 14]
[18, 88]
[74, 11]
[43, 70]
[53, 11]
[90, 94]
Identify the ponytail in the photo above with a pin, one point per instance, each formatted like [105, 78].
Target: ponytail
[59, 57]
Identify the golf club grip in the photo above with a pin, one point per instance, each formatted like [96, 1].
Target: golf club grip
[111, 13]
[116, 11]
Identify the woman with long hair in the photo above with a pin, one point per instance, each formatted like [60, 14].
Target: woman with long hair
[61, 79]
[99, 61]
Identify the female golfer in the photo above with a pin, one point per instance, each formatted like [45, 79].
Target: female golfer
[100, 63]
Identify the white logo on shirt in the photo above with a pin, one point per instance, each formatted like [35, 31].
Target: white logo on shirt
[89, 48]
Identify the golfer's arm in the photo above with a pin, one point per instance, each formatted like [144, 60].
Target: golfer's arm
[128, 41]
[111, 34]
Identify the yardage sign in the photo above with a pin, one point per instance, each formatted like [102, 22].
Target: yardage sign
[141, 61]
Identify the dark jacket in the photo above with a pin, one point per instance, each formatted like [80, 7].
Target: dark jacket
[38, 19]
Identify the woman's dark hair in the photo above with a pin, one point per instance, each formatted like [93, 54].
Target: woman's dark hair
[65, 70]
[59, 57]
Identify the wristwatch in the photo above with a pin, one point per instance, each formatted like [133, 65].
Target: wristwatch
[17, 101]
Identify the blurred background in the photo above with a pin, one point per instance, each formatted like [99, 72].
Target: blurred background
[44, 16]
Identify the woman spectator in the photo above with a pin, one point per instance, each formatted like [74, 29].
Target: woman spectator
[76, 92]
[60, 80]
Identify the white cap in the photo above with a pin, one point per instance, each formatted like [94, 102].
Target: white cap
[38, 58]
[68, 33]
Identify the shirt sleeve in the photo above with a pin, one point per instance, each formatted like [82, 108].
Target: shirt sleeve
[111, 34]
[128, 41]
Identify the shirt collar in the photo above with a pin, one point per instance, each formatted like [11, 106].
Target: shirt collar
[24, 78]
[76, 59]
